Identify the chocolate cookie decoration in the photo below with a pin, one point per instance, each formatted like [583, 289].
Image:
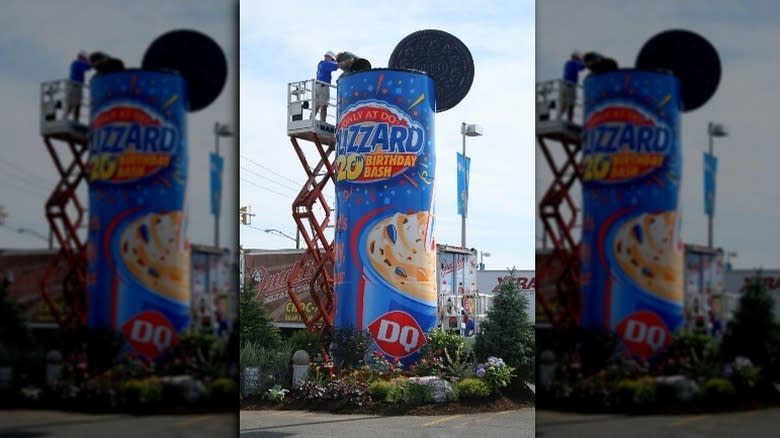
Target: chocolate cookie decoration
[692, 59]
[196, 57]
[442, 56]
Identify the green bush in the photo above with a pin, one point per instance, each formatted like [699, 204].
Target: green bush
[445, 354]
[142, 392]
[350, 347]
[507, 331]
[223, 391]
[305, 340]
[198, 354]
[718, 391]
[744, 375]
[437, 341]
[249, 354]
[274, 364]
[694, 354]
[497, 374]
[380, 389]
[417, 394]
[641, 391]
[396, 392]
[472, 389]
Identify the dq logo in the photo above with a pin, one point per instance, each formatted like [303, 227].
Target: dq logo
[150, 333]
[397, 333]
[644, 333]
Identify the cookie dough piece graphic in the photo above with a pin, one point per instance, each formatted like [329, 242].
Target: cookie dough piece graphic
[650, 253]
[398, 248]
[154, 250]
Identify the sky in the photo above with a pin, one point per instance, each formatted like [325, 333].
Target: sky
[747, 206]
[34, 53]
[282, 42]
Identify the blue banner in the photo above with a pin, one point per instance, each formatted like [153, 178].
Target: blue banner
[463, 184]
[710, 169]
[216, 162]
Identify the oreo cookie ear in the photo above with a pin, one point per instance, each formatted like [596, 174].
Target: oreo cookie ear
[196, 57]
[690, 57]
[443, 57]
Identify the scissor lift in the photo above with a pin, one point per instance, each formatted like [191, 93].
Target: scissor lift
[314, 142]
[66, 139]
[560, 141]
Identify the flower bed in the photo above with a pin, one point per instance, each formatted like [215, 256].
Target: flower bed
[446, 379]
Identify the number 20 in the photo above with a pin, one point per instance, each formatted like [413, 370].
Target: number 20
[348, 167]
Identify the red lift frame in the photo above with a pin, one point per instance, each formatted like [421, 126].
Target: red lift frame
[319, 250]
[558, 213]
[65, 214]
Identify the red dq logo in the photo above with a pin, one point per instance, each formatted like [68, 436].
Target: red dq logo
[644, 333]
[397, 333]
[150, 333]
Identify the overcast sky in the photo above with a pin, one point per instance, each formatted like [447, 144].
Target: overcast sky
[746, 35]
[282, 42]
[39, 40]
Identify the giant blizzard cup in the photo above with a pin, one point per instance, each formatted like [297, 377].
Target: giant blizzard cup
[138, 252]
[385, 254]
[632, 254]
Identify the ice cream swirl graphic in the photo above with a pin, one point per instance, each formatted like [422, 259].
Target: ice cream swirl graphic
[650, 253]
[399, 248]
[154, 249]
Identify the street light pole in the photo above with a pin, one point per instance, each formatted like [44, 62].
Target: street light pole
[220, 130]
[465, 201]
[471, 131]
[713, 130]
[482, 255]
[296, 239]
[36, 234]
[712, 213]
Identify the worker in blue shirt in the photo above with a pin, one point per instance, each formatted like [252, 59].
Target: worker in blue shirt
[78, 68]
[322, 85]
[571, 70]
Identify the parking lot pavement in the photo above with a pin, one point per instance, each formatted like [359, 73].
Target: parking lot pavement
[757, 423]
[57, 424]
[271, 424]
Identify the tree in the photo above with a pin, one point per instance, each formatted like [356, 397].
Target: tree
[507, 332]
[255, 324]
[753, 332]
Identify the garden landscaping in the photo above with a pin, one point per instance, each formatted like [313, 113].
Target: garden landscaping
[88, 370]
[450, 376]
[701, 371]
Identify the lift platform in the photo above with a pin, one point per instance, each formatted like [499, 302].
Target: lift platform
[66, 139]
[560, 141]
[314, 142]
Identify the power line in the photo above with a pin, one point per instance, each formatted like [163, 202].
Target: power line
[269, 179]
[26, 175]
[26, 188]
[260, 165]
[267, 189]
[329, 198]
